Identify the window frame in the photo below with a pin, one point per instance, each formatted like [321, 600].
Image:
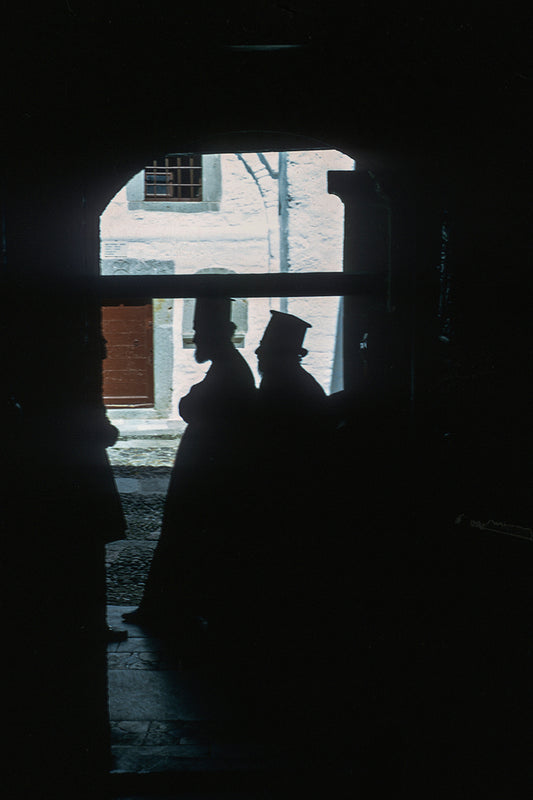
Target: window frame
[171, 175]
[211, 191]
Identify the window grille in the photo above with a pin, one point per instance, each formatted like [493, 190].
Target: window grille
[175, 178]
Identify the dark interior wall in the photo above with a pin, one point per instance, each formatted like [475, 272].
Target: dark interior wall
[432, 104]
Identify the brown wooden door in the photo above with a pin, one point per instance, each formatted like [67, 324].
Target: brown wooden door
[128, 373]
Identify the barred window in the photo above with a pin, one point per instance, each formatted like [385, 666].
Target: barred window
[174, 177]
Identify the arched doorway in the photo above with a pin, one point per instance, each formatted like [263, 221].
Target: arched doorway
[297, 258]
[262, 212]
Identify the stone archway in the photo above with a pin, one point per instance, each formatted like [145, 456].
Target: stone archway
[264, 212]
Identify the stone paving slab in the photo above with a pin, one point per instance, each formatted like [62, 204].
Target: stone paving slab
[127, 485]
[114, 618]
[135, 660]
[135, 644]
[147, 683]
[165, 718]
[169, 723]
[141, 485]
[176, 759]
[129, 732]
[154, 485]
[140, 423]
[145, 694]
[220, 739]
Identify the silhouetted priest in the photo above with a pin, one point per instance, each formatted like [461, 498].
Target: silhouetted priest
[193, 555]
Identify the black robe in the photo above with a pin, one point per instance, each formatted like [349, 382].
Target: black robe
[293, 437]
[203, 515]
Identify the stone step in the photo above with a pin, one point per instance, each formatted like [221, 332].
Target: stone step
[147, 428]
[143, 485]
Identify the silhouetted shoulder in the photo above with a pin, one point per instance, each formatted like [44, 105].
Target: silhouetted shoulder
[228, 385]
[308, 385]
[292, 389]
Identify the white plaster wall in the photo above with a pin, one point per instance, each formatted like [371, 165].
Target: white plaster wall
[235, 237]
[316, 234]
[243, 236]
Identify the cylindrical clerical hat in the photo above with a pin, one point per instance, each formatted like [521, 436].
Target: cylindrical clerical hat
[212, 313]
[285, 333]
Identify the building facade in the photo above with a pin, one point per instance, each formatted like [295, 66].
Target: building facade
[218, 213]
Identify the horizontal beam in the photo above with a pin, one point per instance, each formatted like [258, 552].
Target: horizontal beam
[129, 287]
[233, 285]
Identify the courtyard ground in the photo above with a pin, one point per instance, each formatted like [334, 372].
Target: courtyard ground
[141, 461]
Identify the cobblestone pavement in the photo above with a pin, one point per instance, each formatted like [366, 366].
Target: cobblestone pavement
[142, 470]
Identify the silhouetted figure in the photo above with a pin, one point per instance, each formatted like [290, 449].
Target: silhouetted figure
[294, 434]
[84, 435]
[284, 382]
[292, 413]
[192, 564]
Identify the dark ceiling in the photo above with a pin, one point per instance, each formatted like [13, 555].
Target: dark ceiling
[380, 74]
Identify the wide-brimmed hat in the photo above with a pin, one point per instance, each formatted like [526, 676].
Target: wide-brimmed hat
[284, 334]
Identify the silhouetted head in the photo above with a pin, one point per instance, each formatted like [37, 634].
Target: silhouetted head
[213, 327]
[282, 341]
